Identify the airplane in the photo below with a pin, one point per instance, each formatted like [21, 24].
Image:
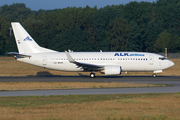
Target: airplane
[108, 63]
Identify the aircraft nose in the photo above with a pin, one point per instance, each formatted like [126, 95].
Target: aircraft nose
[170, 63]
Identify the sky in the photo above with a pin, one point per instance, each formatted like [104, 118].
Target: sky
[59, 4]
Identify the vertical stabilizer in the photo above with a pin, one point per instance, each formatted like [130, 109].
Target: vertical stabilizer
[25, 42]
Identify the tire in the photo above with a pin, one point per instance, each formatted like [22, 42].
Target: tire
[154, 75]
[92, 75]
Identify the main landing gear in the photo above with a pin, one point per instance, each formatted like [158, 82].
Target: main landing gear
[92, 75]
[154, 75]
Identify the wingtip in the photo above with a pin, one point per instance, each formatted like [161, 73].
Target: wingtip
[15, 23]
[71, 60]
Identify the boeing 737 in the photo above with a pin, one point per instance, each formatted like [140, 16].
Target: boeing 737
[108, 63]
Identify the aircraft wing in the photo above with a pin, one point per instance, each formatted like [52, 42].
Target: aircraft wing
[18, 55]
[85, 66]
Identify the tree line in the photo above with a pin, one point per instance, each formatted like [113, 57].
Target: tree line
[136, 26]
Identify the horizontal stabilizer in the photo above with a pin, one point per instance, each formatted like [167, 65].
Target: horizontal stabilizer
[18, 55]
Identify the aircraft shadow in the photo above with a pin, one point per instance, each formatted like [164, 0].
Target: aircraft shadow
[48, 74]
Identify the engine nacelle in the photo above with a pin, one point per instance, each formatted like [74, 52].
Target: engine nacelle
[112, 70]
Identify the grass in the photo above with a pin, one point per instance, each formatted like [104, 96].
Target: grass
[152, 106]
[10, 67]
[4, 86]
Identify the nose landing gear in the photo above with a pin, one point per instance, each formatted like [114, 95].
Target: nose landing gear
[154, 75]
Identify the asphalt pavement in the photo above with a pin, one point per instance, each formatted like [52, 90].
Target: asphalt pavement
[170, 80]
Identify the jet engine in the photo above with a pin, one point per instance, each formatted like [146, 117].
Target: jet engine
[112, 70]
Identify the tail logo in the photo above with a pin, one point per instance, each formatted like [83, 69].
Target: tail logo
[27, 39]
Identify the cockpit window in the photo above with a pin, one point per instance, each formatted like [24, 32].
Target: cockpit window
[162, 58]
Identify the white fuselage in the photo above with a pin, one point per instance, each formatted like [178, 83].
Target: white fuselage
[129, 61]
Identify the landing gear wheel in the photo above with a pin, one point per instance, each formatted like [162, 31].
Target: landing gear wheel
[92, 75]
[154, 75]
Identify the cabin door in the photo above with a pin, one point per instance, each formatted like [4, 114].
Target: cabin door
[151, 60]
[44, 60]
